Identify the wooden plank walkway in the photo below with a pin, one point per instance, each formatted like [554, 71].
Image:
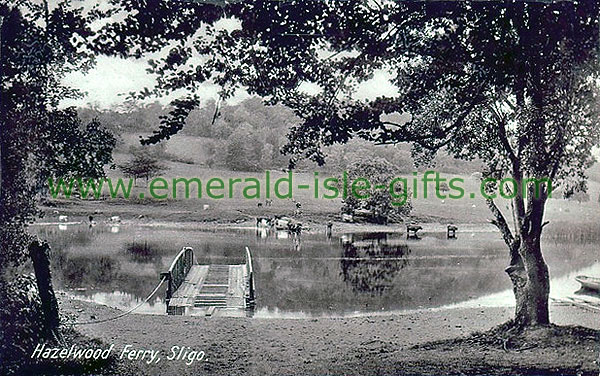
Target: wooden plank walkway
[209, 289]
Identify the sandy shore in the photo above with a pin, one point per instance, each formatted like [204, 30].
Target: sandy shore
[365, 345]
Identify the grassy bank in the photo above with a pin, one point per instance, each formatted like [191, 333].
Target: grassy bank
[313, 210]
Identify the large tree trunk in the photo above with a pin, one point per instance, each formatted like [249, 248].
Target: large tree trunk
[528, 270]
[531, 283]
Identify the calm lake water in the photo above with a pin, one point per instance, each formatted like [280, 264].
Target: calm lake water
[348, 274]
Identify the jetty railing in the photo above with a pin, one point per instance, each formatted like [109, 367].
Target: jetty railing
[179, 269]
[250, 288]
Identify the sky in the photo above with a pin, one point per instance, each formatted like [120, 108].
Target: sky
[108, 84]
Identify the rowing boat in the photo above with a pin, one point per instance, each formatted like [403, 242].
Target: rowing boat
[588, 282]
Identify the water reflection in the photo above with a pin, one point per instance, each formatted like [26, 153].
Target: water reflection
[370, 264]
[123, 300]
[144, 252]
[312, 273]
[87, 270]
[264, 233]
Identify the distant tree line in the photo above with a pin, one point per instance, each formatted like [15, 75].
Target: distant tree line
[248, 136]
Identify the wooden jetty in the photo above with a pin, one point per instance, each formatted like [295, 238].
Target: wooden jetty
[209, 289]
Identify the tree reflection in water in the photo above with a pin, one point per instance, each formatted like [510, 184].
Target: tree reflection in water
[89, 270]
[370, 262]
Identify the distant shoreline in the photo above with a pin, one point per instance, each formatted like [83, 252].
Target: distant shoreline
[310, 226]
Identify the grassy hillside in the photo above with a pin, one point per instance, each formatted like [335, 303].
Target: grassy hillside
[184, 157]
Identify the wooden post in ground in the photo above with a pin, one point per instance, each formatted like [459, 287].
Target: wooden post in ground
[40, 256]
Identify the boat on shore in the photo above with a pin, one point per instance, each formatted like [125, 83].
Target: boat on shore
[589, 283]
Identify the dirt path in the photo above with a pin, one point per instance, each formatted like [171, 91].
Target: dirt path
[365, 345]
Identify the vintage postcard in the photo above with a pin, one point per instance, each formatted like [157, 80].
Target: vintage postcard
[288, 187]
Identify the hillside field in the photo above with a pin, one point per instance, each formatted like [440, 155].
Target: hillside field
[187, 160]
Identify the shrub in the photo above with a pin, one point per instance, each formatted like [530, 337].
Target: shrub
[20, 325]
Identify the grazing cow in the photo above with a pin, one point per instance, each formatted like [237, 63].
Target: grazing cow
[263, 221]
[411, 231]
[260, 204]
[115, 219]
[295, 228]
[347, 217]
[451, 232]
[63, 218]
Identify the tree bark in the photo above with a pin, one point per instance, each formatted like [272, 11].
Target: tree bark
[40, 255]
[528, 270]
[531, 284]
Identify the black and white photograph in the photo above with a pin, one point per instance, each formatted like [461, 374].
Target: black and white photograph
[300, 187]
